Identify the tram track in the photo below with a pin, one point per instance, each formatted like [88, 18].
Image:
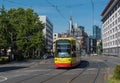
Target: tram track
[76, 76]
[83, 71]
[61, 73]
[85, 66]
[54, 76]
[33, 76]
[98, 73]
[29, 70]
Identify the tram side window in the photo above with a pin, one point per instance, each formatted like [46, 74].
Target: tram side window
[74, 51]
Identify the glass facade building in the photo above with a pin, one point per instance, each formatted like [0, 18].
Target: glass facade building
[96, 32]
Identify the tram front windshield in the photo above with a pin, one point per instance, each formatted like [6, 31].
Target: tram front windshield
[63, 48]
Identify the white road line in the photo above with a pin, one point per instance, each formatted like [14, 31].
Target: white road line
[2, 78]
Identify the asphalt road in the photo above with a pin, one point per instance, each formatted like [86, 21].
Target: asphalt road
[92, 69]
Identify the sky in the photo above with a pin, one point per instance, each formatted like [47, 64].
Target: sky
[59, 11]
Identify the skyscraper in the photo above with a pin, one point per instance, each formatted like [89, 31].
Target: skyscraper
[96, 32]
[71, 27]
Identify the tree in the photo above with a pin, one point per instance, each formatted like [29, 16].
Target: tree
[5, 30]
[22, 30]
[99, 48]
[29, 29]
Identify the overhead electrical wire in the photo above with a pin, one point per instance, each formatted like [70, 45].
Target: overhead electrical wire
[17, 3]
[65, 6]
[70, 6]
[79, 4]
[56, 8]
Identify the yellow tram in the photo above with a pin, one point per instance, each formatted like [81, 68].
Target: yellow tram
[67, 52]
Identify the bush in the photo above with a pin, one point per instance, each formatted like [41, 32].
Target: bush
[4, 59]
[117, 72]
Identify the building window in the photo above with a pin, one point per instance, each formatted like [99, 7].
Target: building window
[119, 11]
[116, 21]
[115, 29]
[110, 25]
[115, 15]
[119, 26]
[113, 24]
[119, 19]
[110, 19]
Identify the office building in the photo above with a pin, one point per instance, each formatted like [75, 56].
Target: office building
[111, 28]
[48, 32]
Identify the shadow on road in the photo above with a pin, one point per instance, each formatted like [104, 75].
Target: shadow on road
[94, 64]
[83, 64]
[6, 69]
[91, 64]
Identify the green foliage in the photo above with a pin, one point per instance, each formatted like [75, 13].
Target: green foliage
[21, 29]
[99, 48]
[117, 72]
[113, 81]
[4, 59]
[4, 28]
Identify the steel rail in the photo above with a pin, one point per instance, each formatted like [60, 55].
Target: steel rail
[70, 80]
[98, 73]
[54, 76]
[34, 76]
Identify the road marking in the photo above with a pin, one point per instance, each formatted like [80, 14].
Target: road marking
[2, 78]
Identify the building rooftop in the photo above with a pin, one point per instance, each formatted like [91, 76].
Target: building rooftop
[108, 5]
